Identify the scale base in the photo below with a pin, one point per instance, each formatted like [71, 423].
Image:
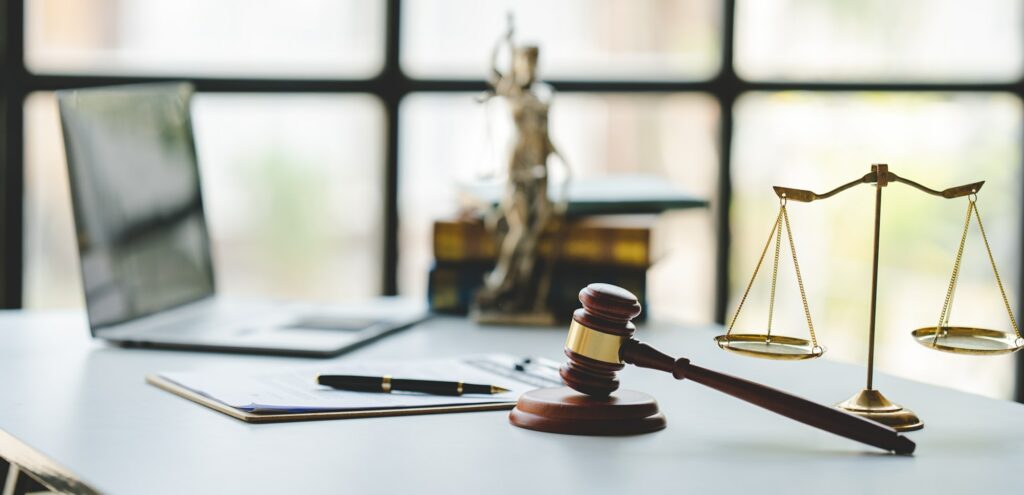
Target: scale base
[871, 404]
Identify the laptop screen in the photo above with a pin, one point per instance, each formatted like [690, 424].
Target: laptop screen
[142, 238]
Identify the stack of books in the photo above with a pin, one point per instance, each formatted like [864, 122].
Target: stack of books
[607, 238]
[591, 250]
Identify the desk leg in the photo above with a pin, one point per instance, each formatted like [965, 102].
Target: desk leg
[19, 482]
[11, 480]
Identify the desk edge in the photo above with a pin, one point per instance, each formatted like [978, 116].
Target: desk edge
[45, 470]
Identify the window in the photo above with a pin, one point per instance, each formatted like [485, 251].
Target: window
[301, 38]
[333, 133]
[579, 39]
[875, 40]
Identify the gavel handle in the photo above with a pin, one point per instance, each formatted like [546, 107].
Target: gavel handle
[797, 408]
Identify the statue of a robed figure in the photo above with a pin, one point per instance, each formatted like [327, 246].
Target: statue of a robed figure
[517, 289]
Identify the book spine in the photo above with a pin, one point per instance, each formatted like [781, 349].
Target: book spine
[452, 286]
[585, 244]
[463, 241]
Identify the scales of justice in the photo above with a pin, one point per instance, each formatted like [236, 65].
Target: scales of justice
[869, 402]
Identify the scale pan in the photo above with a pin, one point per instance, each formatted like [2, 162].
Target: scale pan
[967, 340]
[769, 346]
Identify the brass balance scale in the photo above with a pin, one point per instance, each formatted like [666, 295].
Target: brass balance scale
[870, 403]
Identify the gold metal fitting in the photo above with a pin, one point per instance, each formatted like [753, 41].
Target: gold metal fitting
[385, 384]
[593, 344]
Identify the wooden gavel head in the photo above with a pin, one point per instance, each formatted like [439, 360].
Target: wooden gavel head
[596, 335]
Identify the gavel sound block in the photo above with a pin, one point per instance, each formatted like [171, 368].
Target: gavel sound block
[600, 343]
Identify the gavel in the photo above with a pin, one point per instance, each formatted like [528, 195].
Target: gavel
[600, 343]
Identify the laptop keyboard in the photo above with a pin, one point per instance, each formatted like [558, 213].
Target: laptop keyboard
[205, 321]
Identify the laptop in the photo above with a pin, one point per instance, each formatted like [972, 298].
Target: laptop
[143, 244]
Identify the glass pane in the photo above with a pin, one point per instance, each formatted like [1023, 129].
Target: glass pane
[450, 138]
[818, 141]
[293, 190]
[579, 39]
[299, 38]
[51, 273]
[834, 40]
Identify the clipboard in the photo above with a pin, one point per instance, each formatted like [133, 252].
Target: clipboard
[529, 373]
[249, 417]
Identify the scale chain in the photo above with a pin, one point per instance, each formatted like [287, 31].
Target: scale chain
[757, 268]
[972, 207]
[775, 275]
[952, 298]
[799, 279]
[944, 316]
[999, 281]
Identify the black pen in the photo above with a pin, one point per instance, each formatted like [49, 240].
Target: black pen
[386, 384]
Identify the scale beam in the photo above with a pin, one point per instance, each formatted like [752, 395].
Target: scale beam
[950, 193]
[883, 178]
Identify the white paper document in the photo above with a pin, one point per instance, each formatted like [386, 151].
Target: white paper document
[295, 390]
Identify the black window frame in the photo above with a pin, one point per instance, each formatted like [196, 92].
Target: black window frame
[391, 85]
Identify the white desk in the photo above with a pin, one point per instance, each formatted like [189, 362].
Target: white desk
[79, 408]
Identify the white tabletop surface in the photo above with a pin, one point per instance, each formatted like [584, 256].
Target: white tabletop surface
[83, 405]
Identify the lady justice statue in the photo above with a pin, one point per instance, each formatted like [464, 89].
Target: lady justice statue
[516, 291]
